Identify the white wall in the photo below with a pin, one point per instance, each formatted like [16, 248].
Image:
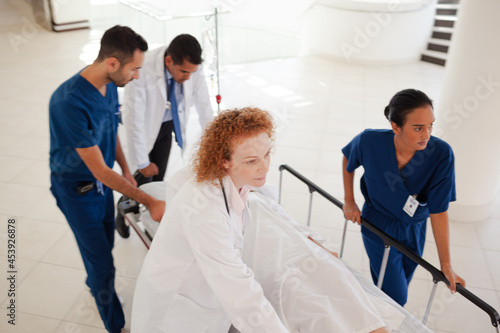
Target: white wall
[469, 107]
[369, 32]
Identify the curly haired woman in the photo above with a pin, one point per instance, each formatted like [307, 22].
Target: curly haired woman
[193, 279]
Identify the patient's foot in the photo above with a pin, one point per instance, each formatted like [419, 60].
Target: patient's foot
[381, 330]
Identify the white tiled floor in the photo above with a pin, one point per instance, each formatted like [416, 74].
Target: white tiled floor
[319, 105]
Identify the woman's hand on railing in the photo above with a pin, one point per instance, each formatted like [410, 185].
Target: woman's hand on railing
[453, 278]
[351, 212]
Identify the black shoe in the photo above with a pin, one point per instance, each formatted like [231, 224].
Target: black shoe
[121, 227]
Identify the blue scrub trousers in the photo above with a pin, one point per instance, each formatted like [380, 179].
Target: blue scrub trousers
[400, 268]
[91, 218]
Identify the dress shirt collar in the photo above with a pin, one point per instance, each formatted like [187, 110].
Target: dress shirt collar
[179, 89]
[236, 199]
[168, 76]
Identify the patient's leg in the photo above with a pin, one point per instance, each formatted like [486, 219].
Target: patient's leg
[381, 330]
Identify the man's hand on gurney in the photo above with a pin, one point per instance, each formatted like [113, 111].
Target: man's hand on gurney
[128, 176]
[352, 212]
[149, 171]
[156, 209]
[324, 248]
[452, 277]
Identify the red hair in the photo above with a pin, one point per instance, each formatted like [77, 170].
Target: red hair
[220, 136]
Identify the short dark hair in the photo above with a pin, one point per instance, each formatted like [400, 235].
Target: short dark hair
[403, 103]
[185, 47]
[121, 42]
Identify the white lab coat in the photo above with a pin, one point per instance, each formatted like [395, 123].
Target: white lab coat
[143, 106]
[193, 279]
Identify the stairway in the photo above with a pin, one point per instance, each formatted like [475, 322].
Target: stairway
[444, 22]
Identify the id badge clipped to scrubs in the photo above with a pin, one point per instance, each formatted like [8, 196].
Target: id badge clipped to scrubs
[411, 205]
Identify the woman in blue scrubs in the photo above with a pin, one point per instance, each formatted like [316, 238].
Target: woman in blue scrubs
[409, 176]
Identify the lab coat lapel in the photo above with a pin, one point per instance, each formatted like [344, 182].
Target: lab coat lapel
[188, 94]
[187, 87]
[236, 223]
[159, 73]
[237, 231]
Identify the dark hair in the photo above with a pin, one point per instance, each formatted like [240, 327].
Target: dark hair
[185, 47]
[403, 103]
[121, 42]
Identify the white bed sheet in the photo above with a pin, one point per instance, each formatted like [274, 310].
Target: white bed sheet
[299, 278]
[310, 289]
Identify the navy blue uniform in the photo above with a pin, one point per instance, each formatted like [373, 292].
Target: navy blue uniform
[80, 117]
[430, 176]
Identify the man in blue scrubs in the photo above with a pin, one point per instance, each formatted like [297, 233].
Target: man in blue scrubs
[83, 116]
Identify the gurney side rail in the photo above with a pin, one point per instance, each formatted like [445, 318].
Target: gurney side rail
[437, 275]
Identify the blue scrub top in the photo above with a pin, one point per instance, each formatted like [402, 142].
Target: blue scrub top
[430, 175]
[80, 117]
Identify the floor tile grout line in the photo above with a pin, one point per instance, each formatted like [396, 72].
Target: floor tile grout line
[82, 294]
[23, 278]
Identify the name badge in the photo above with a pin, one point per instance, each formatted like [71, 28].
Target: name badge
[411, 205]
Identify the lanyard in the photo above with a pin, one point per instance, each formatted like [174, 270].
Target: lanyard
[225, 200]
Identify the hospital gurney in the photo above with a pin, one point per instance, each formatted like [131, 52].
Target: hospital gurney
[140, 220]
[437, 275]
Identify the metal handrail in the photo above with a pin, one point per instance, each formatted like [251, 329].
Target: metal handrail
[437, 275]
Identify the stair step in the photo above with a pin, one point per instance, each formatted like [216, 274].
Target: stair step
[443, 29]
[435, 54]
[440, 2]
[445, 18]
[451, 12]
[438, 41]
[437, 47]
[447, 6]
[447, 9]
[442, 33]
[444, 21]
[432, 60]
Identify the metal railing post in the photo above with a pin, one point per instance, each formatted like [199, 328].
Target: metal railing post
[343, 239]
[383, 266]
[281, 181]
[310, 209]
[431, 298]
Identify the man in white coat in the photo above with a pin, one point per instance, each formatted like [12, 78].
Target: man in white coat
[158, 104]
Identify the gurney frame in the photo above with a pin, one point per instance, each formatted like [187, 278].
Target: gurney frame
[437, 275]
[130, 211]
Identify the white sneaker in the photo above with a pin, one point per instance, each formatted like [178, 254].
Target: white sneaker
[124, 330]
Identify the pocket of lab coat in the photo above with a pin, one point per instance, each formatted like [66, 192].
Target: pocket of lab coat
[185, 316]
